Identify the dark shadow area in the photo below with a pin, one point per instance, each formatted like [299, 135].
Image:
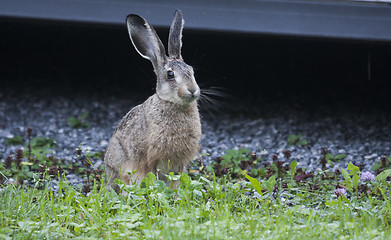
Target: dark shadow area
[84, 60]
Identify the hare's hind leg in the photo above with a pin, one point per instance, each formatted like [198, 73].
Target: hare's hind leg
[111, 174]
[176, 169]
[123, 175]
[132, 172]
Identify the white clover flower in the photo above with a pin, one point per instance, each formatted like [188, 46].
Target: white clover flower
[340, 192]
[367, 177]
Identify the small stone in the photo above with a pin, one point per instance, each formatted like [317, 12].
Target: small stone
[372, 156]
[104, 143]
[341, 151]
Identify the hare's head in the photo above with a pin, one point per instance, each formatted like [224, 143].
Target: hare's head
[175, 79]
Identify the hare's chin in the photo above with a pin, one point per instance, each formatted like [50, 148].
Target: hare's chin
[184, 101]
[189, 100]
[181, 101]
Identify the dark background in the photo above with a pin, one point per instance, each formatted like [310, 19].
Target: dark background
[92, 60]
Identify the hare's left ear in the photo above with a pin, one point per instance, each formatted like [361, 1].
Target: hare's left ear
[175, 37]
[146, 41]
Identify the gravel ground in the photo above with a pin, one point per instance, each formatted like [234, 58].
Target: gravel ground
[356, 129]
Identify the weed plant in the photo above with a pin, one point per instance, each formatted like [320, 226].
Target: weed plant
[79, 122]
[35, 164]
[296, 140]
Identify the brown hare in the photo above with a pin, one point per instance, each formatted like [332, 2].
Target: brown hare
[164, 132]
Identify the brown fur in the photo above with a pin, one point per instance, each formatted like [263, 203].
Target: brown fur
[159, 133]
[163, 133]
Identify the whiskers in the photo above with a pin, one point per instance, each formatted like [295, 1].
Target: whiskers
[212, 101]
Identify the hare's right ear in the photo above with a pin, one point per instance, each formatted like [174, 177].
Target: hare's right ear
[175, 36]
[145, 40]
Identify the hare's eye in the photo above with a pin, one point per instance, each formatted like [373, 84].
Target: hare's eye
[170, 75]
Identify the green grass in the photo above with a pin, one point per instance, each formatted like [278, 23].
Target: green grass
[198, 209]
[239, 196]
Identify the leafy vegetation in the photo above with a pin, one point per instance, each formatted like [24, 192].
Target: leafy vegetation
[383, 164]
[234, 163]
[329, 158]
[37, 165]
[79, 122]
[296, 140]
[17, 140]
[239, 196]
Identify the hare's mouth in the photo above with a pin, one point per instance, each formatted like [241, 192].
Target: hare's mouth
[190, 98]
[189, 95]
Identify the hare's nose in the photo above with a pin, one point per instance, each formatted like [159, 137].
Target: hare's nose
[192, 90]
[193, 94]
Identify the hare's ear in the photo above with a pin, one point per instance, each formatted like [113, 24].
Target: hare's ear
[145, 40]
[175, 37]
